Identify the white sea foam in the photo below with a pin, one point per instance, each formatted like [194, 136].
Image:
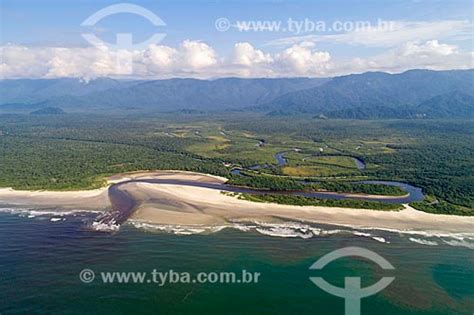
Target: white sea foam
[105, 227]
[380, 239]
[369, 235]
[331, 232]
[57, 219]
[174, 229]
[453, 239]
[241, 227]
[287, 229]
[421, 233]
[422, 241]
[284, 232]
[362, 234]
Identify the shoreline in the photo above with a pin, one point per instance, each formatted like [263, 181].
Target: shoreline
[175, 204]
[200, 206]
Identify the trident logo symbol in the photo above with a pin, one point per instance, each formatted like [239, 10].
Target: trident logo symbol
[352, 291]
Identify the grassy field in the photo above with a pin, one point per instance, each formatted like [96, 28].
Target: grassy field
[319, 166]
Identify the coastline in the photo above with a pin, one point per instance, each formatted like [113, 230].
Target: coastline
[190, 206]
[93, 199]
[173, 204]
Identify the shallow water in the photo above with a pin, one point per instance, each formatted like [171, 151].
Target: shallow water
[41, 258]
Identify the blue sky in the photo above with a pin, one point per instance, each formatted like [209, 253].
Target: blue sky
[432, 28]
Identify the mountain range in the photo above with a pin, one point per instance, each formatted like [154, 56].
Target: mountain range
[371, 95]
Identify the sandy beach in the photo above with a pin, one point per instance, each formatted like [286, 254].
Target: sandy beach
[173, 204]
[96, 199]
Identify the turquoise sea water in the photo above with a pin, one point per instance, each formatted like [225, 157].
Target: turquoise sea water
[40, 262]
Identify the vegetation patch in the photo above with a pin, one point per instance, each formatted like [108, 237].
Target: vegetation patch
[370, 189]
[266, 182]
[305, 201]
[431, 205]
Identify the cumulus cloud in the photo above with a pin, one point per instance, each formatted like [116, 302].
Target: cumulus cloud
[90, 62]
[300, 59]
[303, 60]
[429, 49]
[160, 57]
[20, 61]
[246, 55]
[197, 55]
[198, 59]
[190, 56]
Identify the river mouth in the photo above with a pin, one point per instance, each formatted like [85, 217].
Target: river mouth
[124, 205]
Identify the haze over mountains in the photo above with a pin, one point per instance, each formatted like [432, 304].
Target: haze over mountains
[157, 95]
[372, 95]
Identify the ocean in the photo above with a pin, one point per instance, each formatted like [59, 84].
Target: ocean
[42, 256]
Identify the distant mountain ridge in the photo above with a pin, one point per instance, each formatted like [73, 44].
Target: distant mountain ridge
[371, 95]
[354, 96]
[156, 95]
[48, 111]
[40, 90]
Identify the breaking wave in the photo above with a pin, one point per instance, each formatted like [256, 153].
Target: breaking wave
[284, 230]
[423, 242]
[306, 231]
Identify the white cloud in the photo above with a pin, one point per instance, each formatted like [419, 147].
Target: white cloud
[90, 62]
[429, 49]
[246, 55]
[22, 61]
[302, 60]
[197, 55]
[199, 60]
[389, 33]
[160, 57]
[412, 55]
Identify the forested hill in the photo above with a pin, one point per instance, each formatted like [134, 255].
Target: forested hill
[416, 93]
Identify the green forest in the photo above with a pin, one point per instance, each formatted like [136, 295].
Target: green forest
[305, 201]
